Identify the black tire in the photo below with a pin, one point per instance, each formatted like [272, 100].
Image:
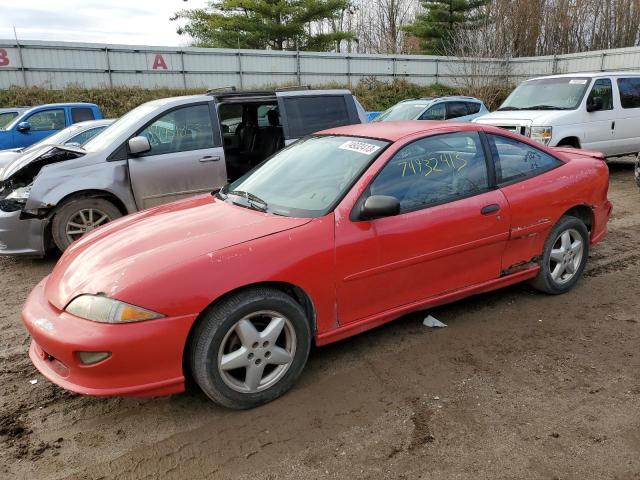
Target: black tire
[72, 208]
[213, 329]
[544, 280]
[636, 170]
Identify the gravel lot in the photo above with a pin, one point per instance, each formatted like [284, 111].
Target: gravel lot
[520, 385]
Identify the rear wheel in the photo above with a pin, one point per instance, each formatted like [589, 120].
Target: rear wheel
[80, 216]
[564, 258]
[251, 348]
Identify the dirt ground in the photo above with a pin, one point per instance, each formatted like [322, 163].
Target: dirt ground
[520, 385]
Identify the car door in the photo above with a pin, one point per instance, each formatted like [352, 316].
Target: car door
[437, 111]
[525, 176]
[629, 114]
[302, 114]
[186, 157]
[600, 115]
[41, 124]
[450, 233]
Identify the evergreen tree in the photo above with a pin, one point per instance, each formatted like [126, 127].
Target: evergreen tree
[441, 18]
[263, 24]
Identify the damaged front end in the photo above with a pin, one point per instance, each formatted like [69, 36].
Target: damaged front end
[16, 179]
[23, 222]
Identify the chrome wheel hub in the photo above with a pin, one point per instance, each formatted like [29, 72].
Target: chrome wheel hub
[85, 221]
[257, 352]
[566, 256]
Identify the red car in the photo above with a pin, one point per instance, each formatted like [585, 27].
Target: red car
[338, 233]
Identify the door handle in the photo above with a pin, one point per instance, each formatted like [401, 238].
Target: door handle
[613, 125]
[209, 158]
[489, 209]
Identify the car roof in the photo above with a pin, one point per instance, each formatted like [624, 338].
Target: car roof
[65, 104]
[95, 123]
[14, 109]
[394, 131]
[442, 98]
[590, 75]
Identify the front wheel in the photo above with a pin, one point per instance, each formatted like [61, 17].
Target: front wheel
[564, 258]
[79, 216]
[251, 348]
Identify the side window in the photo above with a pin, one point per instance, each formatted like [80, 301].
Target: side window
[434, 170]
[85, 136]
[81, 115]
[473, 107]
[629, 92]
[5, 118]
[456, 109]
[309, 114]
[602, 90]
[434, 112]
[516, 160]
[47, 120]
[181, 130]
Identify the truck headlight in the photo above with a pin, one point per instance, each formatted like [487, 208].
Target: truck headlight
[103, 309]
[541, 134]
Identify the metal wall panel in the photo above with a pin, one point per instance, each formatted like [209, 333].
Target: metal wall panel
[59, 64]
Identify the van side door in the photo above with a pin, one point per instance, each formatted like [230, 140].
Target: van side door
[629, 114]
[302, 113]
[600, 114]
[186, 156]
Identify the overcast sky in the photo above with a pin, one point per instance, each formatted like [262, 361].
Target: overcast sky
[137, 22]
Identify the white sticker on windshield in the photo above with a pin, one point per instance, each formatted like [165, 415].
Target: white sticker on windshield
[360, 147]
[577, 81]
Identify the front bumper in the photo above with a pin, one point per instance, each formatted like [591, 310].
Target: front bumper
[146, 357]
[21, 237]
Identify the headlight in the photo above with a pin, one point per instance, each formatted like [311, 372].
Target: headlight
[19, 194]
[541, 134]
[107, 310]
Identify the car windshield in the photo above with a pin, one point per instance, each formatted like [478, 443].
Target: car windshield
[6, 117]
[124, 124]
[402, 111]
[562, 93]
[306, 179]
[56, 139]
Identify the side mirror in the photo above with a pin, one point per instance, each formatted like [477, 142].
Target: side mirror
[139, 145]
[377, 206]
[595, 104]
[24, 127]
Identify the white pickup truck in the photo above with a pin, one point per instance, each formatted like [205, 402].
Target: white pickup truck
[596, 111]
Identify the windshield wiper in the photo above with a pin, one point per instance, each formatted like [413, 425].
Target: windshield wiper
[502, 109]
[252, 201]
[546, 107]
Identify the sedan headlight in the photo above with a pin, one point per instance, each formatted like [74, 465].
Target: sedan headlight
[19, 194]
[103, 309]
[541, 134]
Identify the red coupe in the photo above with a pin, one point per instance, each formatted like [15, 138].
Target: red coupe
[336, 234]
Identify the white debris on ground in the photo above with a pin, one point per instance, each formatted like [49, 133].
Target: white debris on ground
[433, 322]
[33, 382]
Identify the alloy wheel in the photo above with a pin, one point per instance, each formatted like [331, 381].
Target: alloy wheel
[257, 351]
[566, 256]
[84, 221]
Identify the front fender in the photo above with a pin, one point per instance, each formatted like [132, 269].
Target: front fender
[53, 184]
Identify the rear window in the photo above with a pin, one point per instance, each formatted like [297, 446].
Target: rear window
[473, 107]
[629, 92]
[81, 115]
[305, 115]
[456, 109]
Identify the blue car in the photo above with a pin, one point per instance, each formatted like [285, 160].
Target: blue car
[38, 123]
[8, 114]
[458, 108]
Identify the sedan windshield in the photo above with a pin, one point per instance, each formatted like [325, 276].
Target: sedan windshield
[306, 179]
[401, 111]
[561, 93]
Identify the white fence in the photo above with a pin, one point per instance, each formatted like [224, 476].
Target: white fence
[59, 64]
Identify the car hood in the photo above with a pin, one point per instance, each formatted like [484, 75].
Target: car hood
[7, 157]
[20, 160]
[124, 252]
[520, 117]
